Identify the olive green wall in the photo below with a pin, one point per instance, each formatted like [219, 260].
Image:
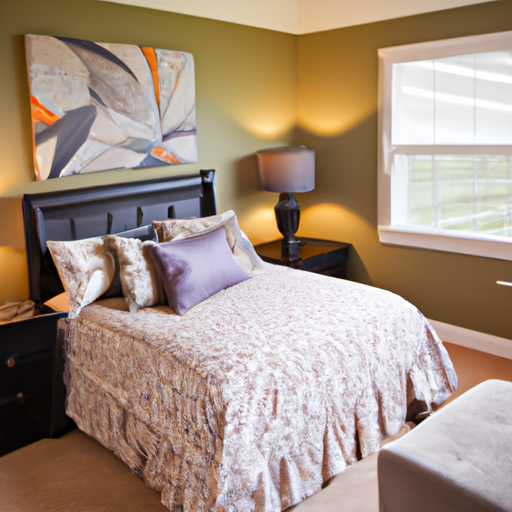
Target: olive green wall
[338, 79]
[246, 97]
[249, 83]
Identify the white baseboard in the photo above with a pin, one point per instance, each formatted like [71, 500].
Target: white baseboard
[475, 340]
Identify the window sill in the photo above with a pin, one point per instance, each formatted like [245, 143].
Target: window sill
[462, 243]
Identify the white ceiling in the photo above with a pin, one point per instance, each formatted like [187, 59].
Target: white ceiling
[300, 16]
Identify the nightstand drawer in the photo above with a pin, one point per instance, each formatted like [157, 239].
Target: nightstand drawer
[27, 363]
[324, 264]
[320, 256]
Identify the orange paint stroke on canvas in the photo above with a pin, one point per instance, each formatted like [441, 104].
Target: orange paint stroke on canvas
[34, 152]
[165, 155]
[150, 55]
[41, 113]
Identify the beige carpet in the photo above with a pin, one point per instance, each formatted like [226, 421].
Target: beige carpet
[71, 474]
[76, 474]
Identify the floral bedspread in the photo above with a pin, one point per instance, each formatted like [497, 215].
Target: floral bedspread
[256, 396]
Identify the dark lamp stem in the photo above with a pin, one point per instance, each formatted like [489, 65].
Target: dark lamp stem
[288, 217]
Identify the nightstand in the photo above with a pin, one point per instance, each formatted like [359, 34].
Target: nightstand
[31, 390]
[319, 256]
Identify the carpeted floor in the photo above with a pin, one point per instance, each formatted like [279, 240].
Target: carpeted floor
[474, 367]
[77, 474]
[71, 474]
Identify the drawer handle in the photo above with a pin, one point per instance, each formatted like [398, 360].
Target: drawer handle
[22, 359]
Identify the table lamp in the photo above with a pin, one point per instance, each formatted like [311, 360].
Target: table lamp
[287, 170]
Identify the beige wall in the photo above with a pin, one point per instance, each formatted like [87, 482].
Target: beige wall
[246, 96]
[337, 73]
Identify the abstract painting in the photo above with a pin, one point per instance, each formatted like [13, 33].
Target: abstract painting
[99, 106]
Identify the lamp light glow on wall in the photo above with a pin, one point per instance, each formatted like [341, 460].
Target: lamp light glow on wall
[287, 170]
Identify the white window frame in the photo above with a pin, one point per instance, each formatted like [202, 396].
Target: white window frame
[418, 236]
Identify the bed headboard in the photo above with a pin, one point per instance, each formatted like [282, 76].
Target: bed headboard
[101, 210]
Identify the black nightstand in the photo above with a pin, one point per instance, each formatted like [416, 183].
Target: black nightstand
[31, 389]
[319, 256]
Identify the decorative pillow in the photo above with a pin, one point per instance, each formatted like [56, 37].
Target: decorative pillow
[195, 268]
[139, 278]
[85, 268]
[242, 249]
[142, 233]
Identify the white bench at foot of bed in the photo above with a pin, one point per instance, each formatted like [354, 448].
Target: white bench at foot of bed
[460, 459]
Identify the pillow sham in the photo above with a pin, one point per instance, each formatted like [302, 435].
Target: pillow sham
[140, 282]
[195, 268]
[142, 233]
[241, 248]
[86, 270]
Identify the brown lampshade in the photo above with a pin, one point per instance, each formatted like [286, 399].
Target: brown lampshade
[287, 169]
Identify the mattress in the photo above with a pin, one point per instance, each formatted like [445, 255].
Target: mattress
[259, 394]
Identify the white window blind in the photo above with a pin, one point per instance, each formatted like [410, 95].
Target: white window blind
[445, 148]
[462, 100]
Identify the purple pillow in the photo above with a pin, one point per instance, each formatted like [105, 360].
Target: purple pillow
[195, 268]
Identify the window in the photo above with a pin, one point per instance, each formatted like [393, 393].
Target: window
[445, 145]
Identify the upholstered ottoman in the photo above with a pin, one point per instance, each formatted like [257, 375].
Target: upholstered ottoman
[460, 459]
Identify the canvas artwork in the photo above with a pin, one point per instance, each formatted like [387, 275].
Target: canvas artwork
[98, 106]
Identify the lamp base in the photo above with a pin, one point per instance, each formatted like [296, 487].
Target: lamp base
[290, 254]
[288, 218]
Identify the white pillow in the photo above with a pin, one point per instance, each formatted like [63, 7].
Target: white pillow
[85, 268]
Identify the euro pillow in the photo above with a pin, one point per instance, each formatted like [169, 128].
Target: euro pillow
[242, 250]
[86, 270]
[140, 282]
[195, 268]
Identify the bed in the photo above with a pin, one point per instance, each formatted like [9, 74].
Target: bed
[255, 396]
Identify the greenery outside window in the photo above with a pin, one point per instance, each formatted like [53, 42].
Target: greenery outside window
[445, 145]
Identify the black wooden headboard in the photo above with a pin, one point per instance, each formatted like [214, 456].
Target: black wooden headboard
[95, 211]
